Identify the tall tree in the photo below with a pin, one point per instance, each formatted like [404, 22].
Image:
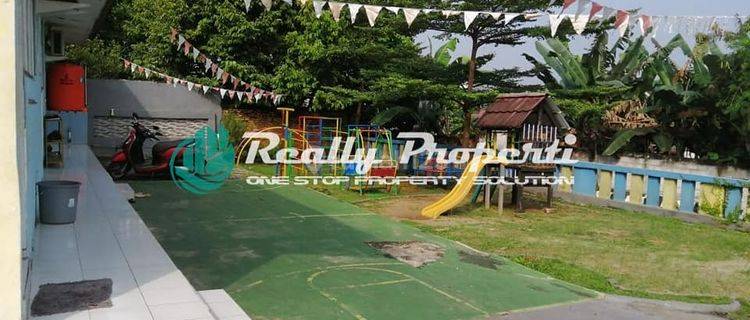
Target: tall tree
[483, 32]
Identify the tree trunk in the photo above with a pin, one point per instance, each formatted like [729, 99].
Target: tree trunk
[466, 140]
[358, 113]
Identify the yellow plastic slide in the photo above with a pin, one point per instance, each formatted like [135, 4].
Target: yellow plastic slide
[460, 191]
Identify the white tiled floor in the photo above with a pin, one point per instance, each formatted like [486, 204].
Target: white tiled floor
[109, 240]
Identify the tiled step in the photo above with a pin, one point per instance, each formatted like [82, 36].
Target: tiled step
[222, 306]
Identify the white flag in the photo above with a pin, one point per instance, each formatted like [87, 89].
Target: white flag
[582, 4]
[247, 4]
[267, 4]
[393, 9]
[372, 13]
[223, 92]
[219, 73]
[239, 95]
[353, 10]
[205, 89]
[510, 16]
[195, 53]
[448, 13]
[579, 22]
[180, 42]
[469, 17]
[148, 73]
[607, 13]
[621, 22]
[410, 15]
[208, 65]
[335, 8]
[318, 6]
[554, 22]
[190, 86]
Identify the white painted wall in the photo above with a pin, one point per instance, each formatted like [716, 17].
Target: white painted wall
[11, 104]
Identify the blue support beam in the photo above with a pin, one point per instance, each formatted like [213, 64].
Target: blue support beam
[653, 191]
[687, 196]
[733, 201]
[585, 181]
[621, 186]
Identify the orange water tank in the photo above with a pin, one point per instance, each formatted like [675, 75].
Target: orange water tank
[66, 87]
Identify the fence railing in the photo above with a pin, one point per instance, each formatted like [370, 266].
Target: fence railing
[721, 197]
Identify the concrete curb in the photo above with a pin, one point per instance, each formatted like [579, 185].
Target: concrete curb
[676, 305]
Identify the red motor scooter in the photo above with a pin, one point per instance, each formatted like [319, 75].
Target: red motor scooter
[131, 157]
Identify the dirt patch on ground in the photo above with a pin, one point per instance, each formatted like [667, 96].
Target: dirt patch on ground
[72, 296]
[479, 259]
[403, 208]
[413, 253]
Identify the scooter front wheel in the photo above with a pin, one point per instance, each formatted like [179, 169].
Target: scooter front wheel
[118, 170]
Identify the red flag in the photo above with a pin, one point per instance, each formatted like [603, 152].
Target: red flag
[231, 94]
[595, 8]
[568, 3]
[646, 23]
[622, 17]
[214, 67]
[141, 70]
[224, 78]
[235, 83]
[168, 79]
[187, 48]
[127, 63]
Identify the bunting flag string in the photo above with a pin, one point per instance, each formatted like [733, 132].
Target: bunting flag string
[585, 11]
[250, 94]
[220, 74]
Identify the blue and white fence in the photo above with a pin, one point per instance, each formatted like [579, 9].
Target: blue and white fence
[690, 193]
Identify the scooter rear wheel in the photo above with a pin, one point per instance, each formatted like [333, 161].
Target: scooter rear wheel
[118, 170]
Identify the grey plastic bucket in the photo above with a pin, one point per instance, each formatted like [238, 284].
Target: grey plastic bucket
[58, 201]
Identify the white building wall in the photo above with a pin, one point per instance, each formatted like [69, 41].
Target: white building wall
[11, 137]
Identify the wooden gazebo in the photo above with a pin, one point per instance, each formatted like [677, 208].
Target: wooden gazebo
[513, 120]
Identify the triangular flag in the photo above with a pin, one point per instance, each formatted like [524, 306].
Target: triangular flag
[209, 64]
[335, 8]
[510, 16]
[568, 3]
[393, 9]
[353, 10]
[224, 78]
[190, 86]
[595, 8]
[469, 17]
[607, 13]
[621, 23]
[188, 46]
[582, 4]
[239, 95]
[235, 82]
[318, 6]
[302, 2]
[219, 73]
[551, 2]
[126, 63]
[214, 68]
[495, 15]
[222, 92]
[554, 22]
[247, 4]
[372, 13]
[267, 4]
[448, 13]
[148, 73]
[195, 53]
[410, 14]
[645, 23]
[231, 94]
[579, 23]
[180, 41]
[133, 67]
[205, 89]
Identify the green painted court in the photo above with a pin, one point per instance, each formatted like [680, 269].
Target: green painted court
[294, 253]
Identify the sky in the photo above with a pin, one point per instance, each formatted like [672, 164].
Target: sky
[697, 12]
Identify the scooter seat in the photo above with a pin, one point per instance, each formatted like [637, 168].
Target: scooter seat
[162, 147]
